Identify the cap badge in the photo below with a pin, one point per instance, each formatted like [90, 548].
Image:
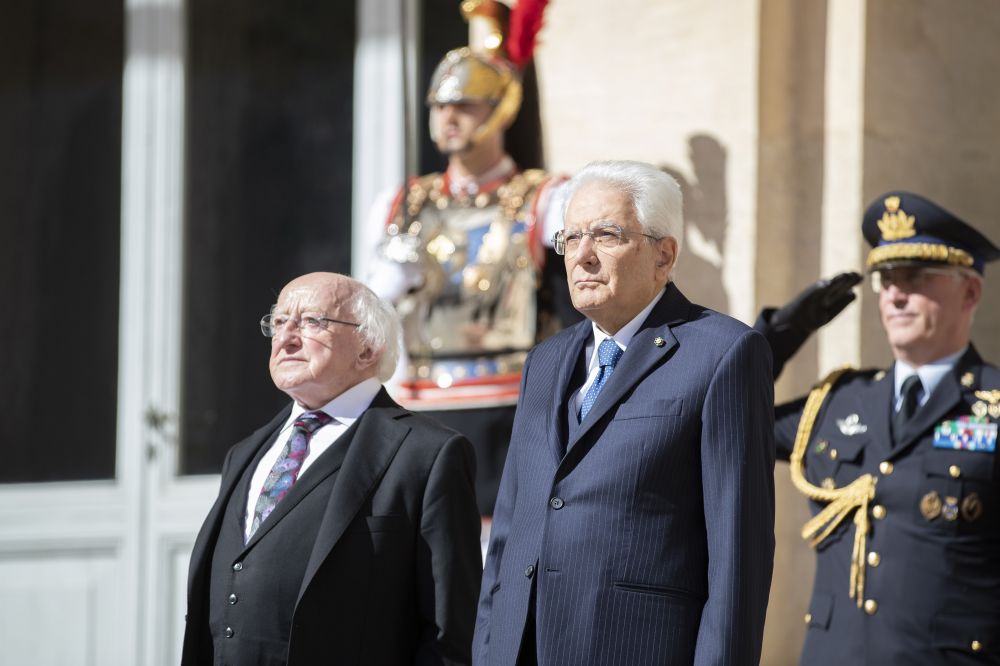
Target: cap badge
[895, 223]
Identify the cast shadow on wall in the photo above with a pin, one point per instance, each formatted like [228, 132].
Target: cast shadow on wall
[699, 270]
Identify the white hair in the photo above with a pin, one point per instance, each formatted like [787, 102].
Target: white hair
[656, 197]
[379, 328]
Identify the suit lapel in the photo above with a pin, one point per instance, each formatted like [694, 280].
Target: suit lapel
[326, 464]
[377, 438]
[946, 395]
[563, 388]
[875, 403]
[642, 355]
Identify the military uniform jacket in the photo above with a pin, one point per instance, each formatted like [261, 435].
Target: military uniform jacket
[932, 573]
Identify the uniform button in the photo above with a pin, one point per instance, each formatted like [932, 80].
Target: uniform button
[556, 503]
[874, 559]
[833, 454]
[878, 511]
[976, 646]
[238, 566]
[529, 571]
[871, 606]
[808, 618]
[955, 471]
[885, 467]
[229, 632]
[233, 599]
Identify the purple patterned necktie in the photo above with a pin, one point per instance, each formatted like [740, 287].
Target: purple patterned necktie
[286, 468]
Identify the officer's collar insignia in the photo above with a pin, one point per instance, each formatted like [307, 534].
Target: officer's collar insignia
[968, 379]
[851, 425]
[895, 223]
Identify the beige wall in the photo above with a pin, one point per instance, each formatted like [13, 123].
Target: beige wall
[782, 119]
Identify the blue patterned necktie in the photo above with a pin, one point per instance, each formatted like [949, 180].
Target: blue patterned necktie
[608, 354]
[286, 468]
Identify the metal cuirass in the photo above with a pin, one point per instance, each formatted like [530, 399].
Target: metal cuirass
[473, 318]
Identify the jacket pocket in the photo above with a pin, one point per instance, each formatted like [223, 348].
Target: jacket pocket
[972, 634]
[649, 409]
[820, 611]
[660, 591]
[384, 523]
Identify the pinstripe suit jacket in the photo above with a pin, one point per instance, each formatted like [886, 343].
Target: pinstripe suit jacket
[651, 539]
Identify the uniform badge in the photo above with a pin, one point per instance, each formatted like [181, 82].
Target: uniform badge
[991, 401]
[851, 425]
[968, 379]
[820, 446]
[972, 507]
[967, 433]
[658, 341]
[930, 505]
[879, 376]
[950, 509]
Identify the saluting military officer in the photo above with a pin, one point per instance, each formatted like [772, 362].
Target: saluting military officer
[900, 465]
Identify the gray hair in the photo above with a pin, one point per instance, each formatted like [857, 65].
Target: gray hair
[656, 197]
[379, 328]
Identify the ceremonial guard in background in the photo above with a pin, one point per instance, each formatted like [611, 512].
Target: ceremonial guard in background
[900, 465]
[463, 255]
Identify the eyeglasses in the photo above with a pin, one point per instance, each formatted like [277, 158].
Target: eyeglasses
[309, 325]
[605, 237]
[909, 278]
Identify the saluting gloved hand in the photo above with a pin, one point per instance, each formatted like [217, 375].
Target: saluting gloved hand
[818, 303]
[788, 327]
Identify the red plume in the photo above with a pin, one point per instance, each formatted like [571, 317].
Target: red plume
[525, 22]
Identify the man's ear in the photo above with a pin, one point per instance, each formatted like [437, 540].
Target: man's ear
[367, 358]
[973, 291]
[666, 255]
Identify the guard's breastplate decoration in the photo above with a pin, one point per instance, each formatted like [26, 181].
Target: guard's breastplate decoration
[468, 327]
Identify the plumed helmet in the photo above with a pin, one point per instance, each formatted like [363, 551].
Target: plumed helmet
[481, 71]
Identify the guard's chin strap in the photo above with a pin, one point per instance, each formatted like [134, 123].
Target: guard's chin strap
[840, 501]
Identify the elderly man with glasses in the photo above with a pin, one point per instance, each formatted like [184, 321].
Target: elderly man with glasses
[345, 530]
[634, 523]
[900, 465]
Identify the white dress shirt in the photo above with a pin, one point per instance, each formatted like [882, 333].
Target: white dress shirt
[621, 338]
[930, 375]
[345, 409]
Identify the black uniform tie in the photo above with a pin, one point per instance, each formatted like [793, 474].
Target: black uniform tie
[910, 393]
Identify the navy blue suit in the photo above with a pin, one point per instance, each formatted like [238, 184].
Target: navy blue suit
[645, 533]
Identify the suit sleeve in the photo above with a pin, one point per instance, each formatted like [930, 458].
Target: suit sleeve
[502, 514]
[737, 458]
[448, 557]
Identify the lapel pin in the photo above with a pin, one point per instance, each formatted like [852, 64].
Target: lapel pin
[879, 376]
[968, 379]
[658, 341]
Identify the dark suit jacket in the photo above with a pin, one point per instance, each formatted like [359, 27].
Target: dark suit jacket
[651, 539]
[394, 569]
[933, 551]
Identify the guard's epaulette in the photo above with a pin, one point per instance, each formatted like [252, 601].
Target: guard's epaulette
[534, 176]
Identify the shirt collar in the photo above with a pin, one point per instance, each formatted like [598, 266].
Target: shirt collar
[348, 406]
[930, 374]
[626, 332]
[470, 185]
